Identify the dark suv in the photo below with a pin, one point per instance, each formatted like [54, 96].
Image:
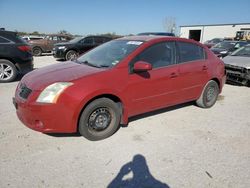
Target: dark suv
[72, 49]
[46, 44]
[15, 56]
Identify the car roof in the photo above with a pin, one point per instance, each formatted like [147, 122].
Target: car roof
[61, 35]
[97, 36]
[157, 33]
[144, 37]
[6, 32]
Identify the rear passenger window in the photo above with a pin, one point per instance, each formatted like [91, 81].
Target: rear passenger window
[3, 40]
[62, 38]
[190, 52]
[54, 38]
[159, 55]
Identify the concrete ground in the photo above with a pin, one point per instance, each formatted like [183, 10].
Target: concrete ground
[183, 146]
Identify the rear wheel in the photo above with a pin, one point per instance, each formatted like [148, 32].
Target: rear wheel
[8, 71]
[100, 119]
[209, 95]
[37, 51]
[71, 55]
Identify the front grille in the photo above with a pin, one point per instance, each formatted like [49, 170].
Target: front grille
[24, 91]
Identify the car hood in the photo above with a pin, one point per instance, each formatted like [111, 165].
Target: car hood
[61, 72]
[239, 61]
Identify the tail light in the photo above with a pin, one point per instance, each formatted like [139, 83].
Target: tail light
[24, 48]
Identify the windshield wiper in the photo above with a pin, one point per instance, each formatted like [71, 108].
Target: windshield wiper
[90, 64]
[103, 66]
[241, 55]
[94, 65]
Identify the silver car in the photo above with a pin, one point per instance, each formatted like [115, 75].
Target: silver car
[238, 66]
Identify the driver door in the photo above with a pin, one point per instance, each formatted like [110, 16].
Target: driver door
[158, 87]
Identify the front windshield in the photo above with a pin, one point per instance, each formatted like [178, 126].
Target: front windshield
[225, 45]
[243, 51]
[110, 53]
[76, 39]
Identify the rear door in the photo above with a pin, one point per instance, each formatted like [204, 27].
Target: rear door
[158, 87]
[193, 70]
[50, 42]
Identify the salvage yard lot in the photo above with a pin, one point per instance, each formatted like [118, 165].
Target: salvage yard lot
[182, 146]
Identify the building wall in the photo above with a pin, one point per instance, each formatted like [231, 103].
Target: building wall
[214, 31]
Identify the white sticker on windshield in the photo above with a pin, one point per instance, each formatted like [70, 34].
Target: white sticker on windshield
[134, 42]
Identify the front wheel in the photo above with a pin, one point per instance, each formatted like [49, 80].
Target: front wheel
[100, 119]
[209, 95]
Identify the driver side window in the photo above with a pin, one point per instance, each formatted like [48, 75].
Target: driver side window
[158, 55]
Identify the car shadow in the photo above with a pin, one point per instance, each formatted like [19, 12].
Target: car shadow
[131, 119]
[64, 134]
[141, 176]
[160, 111]
[61, 60]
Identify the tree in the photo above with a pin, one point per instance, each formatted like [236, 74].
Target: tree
[64, 32]
[35, 33]
[169, 24]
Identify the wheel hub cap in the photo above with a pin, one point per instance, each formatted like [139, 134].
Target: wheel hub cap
[99, 119]
[6, 72]
[210, 93]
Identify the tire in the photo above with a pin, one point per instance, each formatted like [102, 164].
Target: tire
[71, 55]
[8, 71]
[100, 119]
[37, 51]
[209, 95]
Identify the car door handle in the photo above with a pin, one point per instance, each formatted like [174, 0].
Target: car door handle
[173, 75]
[204, 67]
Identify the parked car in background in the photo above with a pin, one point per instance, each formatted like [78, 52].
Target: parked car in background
[15, 56]
[32, 37]
[224, 48]
[46, 44]
[158, 33]
[238, 66]
[72, 49]
[212, 42]
[125, 77]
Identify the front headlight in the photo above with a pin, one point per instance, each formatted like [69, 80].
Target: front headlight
[51, 93]
[223, 52]
[61, 47]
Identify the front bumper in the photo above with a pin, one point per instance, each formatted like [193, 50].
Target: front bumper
[238, 75]
[58, 53]
[46, 118]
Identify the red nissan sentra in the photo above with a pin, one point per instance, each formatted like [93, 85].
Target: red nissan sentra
[125, 77]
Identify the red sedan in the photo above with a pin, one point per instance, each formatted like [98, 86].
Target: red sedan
[119, 79]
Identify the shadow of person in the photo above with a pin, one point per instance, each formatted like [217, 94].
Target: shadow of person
[141, 175]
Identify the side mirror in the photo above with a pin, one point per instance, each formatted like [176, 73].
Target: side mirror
[142, 66]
